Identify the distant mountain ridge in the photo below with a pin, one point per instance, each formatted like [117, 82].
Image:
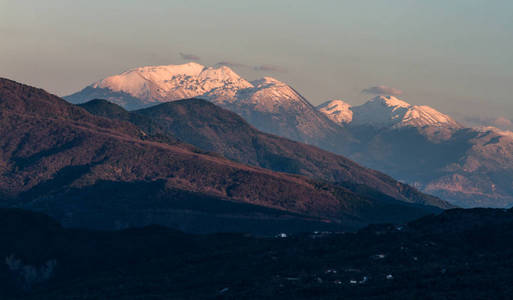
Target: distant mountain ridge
[414, 143]
[386, 111]
[155, 84]
[430, 150]
[91, 171]
[212, 128]
[268, 104]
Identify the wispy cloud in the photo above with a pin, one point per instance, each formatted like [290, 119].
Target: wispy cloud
[503, 122]
[262, 68]
[499, 122]
[270, 68]
[382, 90]
[233, 64]
[188, 56]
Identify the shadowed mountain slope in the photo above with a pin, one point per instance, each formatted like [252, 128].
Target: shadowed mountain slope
[89, 170]
[428, 149]
[267, 103]
[213, 128]
[478, 173]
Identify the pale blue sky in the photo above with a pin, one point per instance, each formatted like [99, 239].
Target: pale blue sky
[455, 55]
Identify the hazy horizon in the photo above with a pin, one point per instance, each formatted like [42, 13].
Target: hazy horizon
[453, 56]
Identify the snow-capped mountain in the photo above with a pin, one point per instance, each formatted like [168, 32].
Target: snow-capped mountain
[389, 111]
[268, 104]
[337, 110]
[430, 150]
[275, 107]
[219, 84]
[149, 85]
[386, 112]
[414, 143]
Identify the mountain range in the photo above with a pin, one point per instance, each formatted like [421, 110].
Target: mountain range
[413, 143]
[386, 112]
[430, 150]
[275, 106]
[214, 129]
[97, 172]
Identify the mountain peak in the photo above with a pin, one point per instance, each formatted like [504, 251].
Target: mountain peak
[138, 81]
[390, 101]
[270, 94]
[338, 111]
[222, 74]
[386, 111]
[267, 81]
[266, 103]
[140, 87]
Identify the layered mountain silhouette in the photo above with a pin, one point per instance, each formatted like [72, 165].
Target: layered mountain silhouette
[414, 143]
[268, 104]
[212, 128]
[92, 171]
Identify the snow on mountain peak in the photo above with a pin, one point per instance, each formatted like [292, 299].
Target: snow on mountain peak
[171, 82]
[268, 94]
[221, 73]
[386, 111]
[337, 110]
[390, 101]
[144, 86]
[267, 81]
[495, 130]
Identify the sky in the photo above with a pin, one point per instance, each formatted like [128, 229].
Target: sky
[456, 56]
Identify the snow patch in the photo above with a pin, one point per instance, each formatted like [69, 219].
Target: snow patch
[389, 111]
[337, 110]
